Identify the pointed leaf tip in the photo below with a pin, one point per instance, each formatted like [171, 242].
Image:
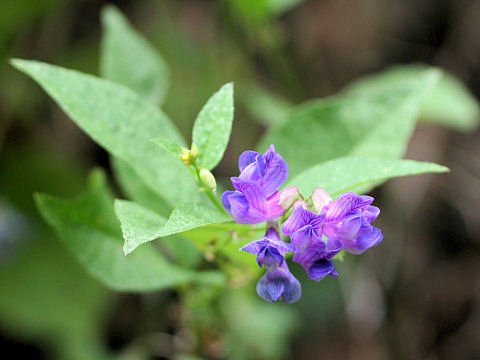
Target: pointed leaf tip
[212, 128]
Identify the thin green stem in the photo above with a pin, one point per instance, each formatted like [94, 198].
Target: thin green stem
[215, 201]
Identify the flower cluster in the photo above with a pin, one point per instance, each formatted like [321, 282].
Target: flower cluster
[319, 228]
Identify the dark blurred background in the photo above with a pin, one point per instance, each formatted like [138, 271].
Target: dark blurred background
[417, 296]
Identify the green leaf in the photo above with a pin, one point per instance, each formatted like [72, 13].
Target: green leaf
[140, 225]
[48, 297]
[268, 108]
[278, 7]
[88, 227]
[136, 189]
[377, 125]
[121, 122]
[171, 146]
[352, 173]
[212, 127]
[257, 11]
[128, 58]
[262, 329]
[449, 103]
[181, 250]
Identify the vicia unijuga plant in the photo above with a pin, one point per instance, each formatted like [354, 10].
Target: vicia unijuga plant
[299, 200]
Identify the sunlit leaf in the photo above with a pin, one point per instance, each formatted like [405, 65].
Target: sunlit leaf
[121, 122]
[212, 127]
[171, 146]
[140, 225]
[352, 174]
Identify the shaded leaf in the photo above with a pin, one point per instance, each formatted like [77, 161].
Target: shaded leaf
[449, 103]
[261, 328]
[127, 58]
[378, 124]
[46, 295]
[136, 189]
[268, 108]
[88, 227]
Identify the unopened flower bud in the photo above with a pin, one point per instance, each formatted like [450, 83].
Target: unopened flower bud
[320, 199]
[194, 152]
[185, 156]
[288, 196]
[207, 179]
[189, 156]
[299, 203]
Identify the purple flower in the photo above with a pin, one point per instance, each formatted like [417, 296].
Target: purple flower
[303, 226]
[278, 283]
[269, 171]
[348, 219]
[305, 230]
[256, 197]
[269, 250]
[317, 258]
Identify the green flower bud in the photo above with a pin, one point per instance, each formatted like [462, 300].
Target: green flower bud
[188, 157]
[185, 156]
[207, 179]
[194, 152]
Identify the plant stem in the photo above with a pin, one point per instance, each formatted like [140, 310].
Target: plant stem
[215, 201]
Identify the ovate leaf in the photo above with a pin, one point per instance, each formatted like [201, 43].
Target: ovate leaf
[371, 124]
[128, 58]
[88, 227]
[140, 225]
[121, 122]
[212, 127]
[352, 174]
[449, 103]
